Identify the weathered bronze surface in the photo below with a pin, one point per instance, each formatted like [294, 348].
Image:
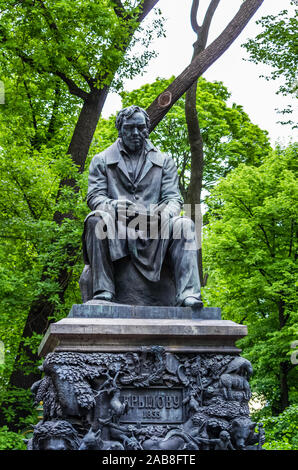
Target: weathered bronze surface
[150, 399]
[135, 201]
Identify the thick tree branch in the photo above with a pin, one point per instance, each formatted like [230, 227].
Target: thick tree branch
[271, 251]
[266, 240]
[264, 274]
[51, 125]
[291, 237]
[72, 86]
[163, 103]
[146, 7]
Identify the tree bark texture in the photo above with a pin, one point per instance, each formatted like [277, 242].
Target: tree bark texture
[86, 125]
[193, 195]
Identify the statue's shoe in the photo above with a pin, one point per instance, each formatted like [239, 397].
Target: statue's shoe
[192, 302]
[104, 295]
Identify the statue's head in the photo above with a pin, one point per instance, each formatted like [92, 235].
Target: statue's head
[55, 435]
[224, 435]
[133, 124]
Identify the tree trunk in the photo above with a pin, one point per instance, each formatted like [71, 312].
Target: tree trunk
[284, 389]
[82, 138]
[193, 196]
[195, 141]
[284, 367]
[86, 125]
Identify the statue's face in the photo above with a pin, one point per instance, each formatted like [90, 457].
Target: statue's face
[134, 131]
[224, 436]
[54, 444]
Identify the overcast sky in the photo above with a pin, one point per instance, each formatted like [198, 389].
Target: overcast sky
[256, 95]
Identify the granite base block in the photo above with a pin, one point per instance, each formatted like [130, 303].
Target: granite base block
[102, 309]
[130, 334]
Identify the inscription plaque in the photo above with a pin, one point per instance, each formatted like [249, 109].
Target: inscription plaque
[153, 405]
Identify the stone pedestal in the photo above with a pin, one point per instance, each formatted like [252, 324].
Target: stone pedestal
[131, 377]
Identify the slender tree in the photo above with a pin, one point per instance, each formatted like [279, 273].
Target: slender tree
[194, 191]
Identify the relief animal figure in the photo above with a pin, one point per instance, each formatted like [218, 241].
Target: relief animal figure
[176, 439]
[241, 366]
[236, 376]
[93, 441]
[124, 433]
[242, 433]
[236, 382]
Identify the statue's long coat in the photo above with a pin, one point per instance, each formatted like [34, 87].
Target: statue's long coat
[156, 184]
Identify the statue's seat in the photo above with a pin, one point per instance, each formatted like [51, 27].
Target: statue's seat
[132, 287]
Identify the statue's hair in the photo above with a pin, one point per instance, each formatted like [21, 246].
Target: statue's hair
[198, 419]
[127, 113]
[55, 429]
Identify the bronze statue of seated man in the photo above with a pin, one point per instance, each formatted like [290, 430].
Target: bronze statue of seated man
[135, 201]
